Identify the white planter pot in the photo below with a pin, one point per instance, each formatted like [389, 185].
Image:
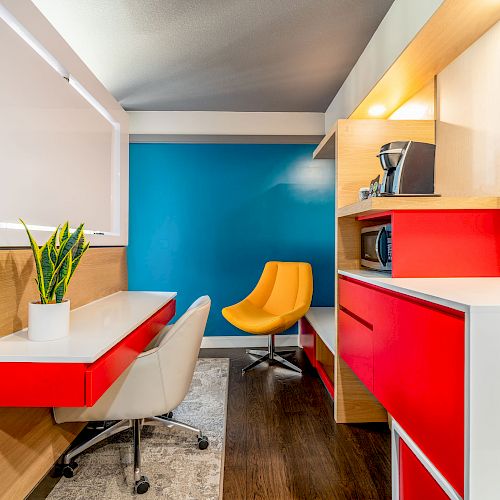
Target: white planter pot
[48, 321]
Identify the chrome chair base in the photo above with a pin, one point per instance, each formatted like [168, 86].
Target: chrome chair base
[141, 482]
[271, 355]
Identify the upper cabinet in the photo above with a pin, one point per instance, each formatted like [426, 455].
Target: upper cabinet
[63, 138]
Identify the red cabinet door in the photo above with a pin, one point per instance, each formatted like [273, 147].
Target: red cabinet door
[356, 345]
[419, 351]
[308, 340]
[415, 482]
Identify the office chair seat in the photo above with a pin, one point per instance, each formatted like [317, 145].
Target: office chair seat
[281, 297]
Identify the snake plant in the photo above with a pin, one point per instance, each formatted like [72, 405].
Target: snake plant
[57, 260]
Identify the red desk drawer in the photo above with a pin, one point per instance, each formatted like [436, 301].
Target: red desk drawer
[99, 376]
[356, 346]
[42, 384]
[308, 340]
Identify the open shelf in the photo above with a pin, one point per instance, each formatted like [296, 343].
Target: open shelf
[384, 204]
[326, 148]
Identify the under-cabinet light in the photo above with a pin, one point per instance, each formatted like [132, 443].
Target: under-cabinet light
[377, 110]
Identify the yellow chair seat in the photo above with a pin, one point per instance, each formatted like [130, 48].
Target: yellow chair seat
[252, 319]
[282, 296]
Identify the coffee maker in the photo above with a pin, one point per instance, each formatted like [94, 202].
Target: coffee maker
[408, 168]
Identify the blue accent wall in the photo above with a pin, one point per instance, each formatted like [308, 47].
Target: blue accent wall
[204, 219]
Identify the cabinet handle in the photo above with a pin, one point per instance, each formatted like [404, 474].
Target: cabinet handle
[356, 318]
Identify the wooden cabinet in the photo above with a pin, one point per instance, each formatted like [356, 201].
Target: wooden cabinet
[415, 481]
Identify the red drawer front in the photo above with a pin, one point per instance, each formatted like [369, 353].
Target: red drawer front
[356, 345]
[308, 340]
[100, 375]
[357, 299]
[42, 384]
[415, 482]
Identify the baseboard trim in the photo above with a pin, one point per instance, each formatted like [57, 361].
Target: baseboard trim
[223, 342]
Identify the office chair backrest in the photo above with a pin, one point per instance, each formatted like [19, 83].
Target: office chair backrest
[179, 348]
[283, 287]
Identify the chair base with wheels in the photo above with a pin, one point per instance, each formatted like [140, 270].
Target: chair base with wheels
[141, 483]
[271, 355]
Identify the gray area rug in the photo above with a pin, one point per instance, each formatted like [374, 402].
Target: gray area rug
[176, 468]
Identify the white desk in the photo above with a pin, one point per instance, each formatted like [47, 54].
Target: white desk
[105, 338]
[95, 329]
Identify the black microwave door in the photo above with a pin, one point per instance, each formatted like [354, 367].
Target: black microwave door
[383, 247]
[369, 246]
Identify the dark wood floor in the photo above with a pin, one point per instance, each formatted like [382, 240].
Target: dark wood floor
[283, 443]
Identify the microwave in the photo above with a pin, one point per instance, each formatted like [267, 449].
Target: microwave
[376, 247]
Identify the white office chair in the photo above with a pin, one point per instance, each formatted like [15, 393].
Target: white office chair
[148, 391]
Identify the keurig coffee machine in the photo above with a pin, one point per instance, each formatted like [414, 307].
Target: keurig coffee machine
[408, 168]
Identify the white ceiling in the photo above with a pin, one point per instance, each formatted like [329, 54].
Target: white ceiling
[218, 55]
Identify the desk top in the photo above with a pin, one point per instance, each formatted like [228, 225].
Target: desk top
[95, 328]
[457, 293]
[322, 319]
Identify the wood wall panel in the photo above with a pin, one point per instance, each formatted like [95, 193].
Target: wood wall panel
[102, 271]
[30, 442]
[467, 130]
[359, 142]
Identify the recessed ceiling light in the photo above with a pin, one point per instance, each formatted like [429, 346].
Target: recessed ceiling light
[377, 110]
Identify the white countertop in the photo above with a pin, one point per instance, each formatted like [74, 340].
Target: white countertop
[95, 328]
[456, 293]
[322, 319]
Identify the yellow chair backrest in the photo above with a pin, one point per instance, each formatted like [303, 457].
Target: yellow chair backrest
[283, 287]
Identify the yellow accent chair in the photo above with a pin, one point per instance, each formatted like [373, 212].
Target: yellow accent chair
[282, 296]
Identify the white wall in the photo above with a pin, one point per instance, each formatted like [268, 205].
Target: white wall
[402, 22]
[468, 126]
[64, 154]
[205, 126]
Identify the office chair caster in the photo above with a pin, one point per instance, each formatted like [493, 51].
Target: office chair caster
[69, 469]
[142, 485]
[202, 442]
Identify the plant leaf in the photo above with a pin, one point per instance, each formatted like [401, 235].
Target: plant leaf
[63, 277]
[65, 252]
[69, 243]
[46, 259]
[82, 248]
[64, 234]
[36, 255]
